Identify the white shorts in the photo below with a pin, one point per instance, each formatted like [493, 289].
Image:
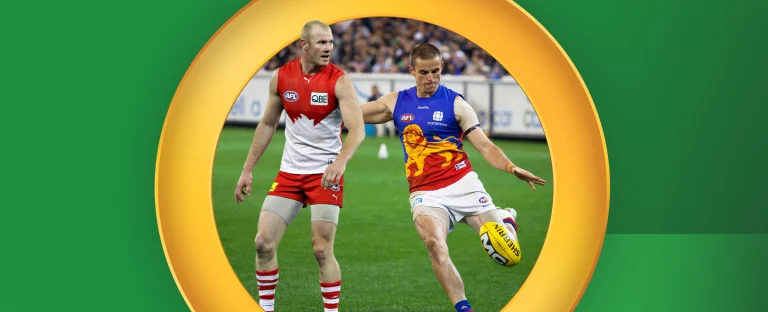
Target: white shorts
[465, 197]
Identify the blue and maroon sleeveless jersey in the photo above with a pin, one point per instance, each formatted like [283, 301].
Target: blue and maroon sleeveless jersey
[431, 139]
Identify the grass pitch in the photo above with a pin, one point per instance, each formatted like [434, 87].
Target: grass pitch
[385, 266]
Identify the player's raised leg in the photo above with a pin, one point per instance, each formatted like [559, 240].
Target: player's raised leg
[325, 219]
[509, 216]
[493, 215]
[276, 214]
[432, 225]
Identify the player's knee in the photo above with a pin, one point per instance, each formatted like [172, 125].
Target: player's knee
[322, 253]
[438, 249]
[264, 248]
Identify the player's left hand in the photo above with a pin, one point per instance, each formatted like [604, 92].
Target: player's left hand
[333, 174]
[528, 177]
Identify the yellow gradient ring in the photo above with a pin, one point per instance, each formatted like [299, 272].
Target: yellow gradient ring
[258, 31]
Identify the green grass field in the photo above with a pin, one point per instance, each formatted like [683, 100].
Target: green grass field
[385, 267]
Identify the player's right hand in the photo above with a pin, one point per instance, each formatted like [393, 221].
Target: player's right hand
[243, 187]
[333, 174]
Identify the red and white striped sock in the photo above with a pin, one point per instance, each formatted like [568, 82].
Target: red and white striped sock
[267, 283]
[331, 293]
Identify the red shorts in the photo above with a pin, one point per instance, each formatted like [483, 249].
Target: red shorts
[306, 188]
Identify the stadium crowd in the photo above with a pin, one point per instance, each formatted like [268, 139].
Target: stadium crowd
[381, 45]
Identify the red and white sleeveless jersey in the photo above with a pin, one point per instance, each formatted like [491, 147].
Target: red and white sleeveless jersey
[313, 124]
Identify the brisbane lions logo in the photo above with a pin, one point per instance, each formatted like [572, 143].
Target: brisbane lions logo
[418, 149]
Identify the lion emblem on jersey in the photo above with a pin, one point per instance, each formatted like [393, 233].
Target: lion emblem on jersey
[418, 149]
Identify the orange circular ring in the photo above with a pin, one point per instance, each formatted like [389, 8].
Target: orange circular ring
[262, 28]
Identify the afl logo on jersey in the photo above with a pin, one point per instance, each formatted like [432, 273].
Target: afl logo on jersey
[407, 117]
[483, 200]
[291, 96]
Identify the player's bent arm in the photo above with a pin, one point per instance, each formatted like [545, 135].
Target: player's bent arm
[266, 128]
[379, 111]
[492, 153]
[352, 117]
[469, 123]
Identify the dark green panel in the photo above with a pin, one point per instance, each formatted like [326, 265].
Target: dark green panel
[680, 90]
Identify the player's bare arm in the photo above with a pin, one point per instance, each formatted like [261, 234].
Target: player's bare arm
[469, 123]
[261, 138]
[380, 110]
[353, 121]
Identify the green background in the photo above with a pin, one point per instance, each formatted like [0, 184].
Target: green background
[680, 88]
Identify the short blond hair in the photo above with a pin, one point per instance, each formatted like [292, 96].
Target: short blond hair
[307, 29]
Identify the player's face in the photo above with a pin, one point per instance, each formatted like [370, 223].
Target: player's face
[427, 74]
[319, 46]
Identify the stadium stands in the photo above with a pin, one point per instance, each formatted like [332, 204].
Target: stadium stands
[381, 45]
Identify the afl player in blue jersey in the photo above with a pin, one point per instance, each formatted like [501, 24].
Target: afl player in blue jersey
[433, 120]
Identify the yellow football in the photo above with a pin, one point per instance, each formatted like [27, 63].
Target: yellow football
[499, 245]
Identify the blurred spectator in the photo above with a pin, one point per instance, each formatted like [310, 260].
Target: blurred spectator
[388, 126]
[375, 95]
[381, 45]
